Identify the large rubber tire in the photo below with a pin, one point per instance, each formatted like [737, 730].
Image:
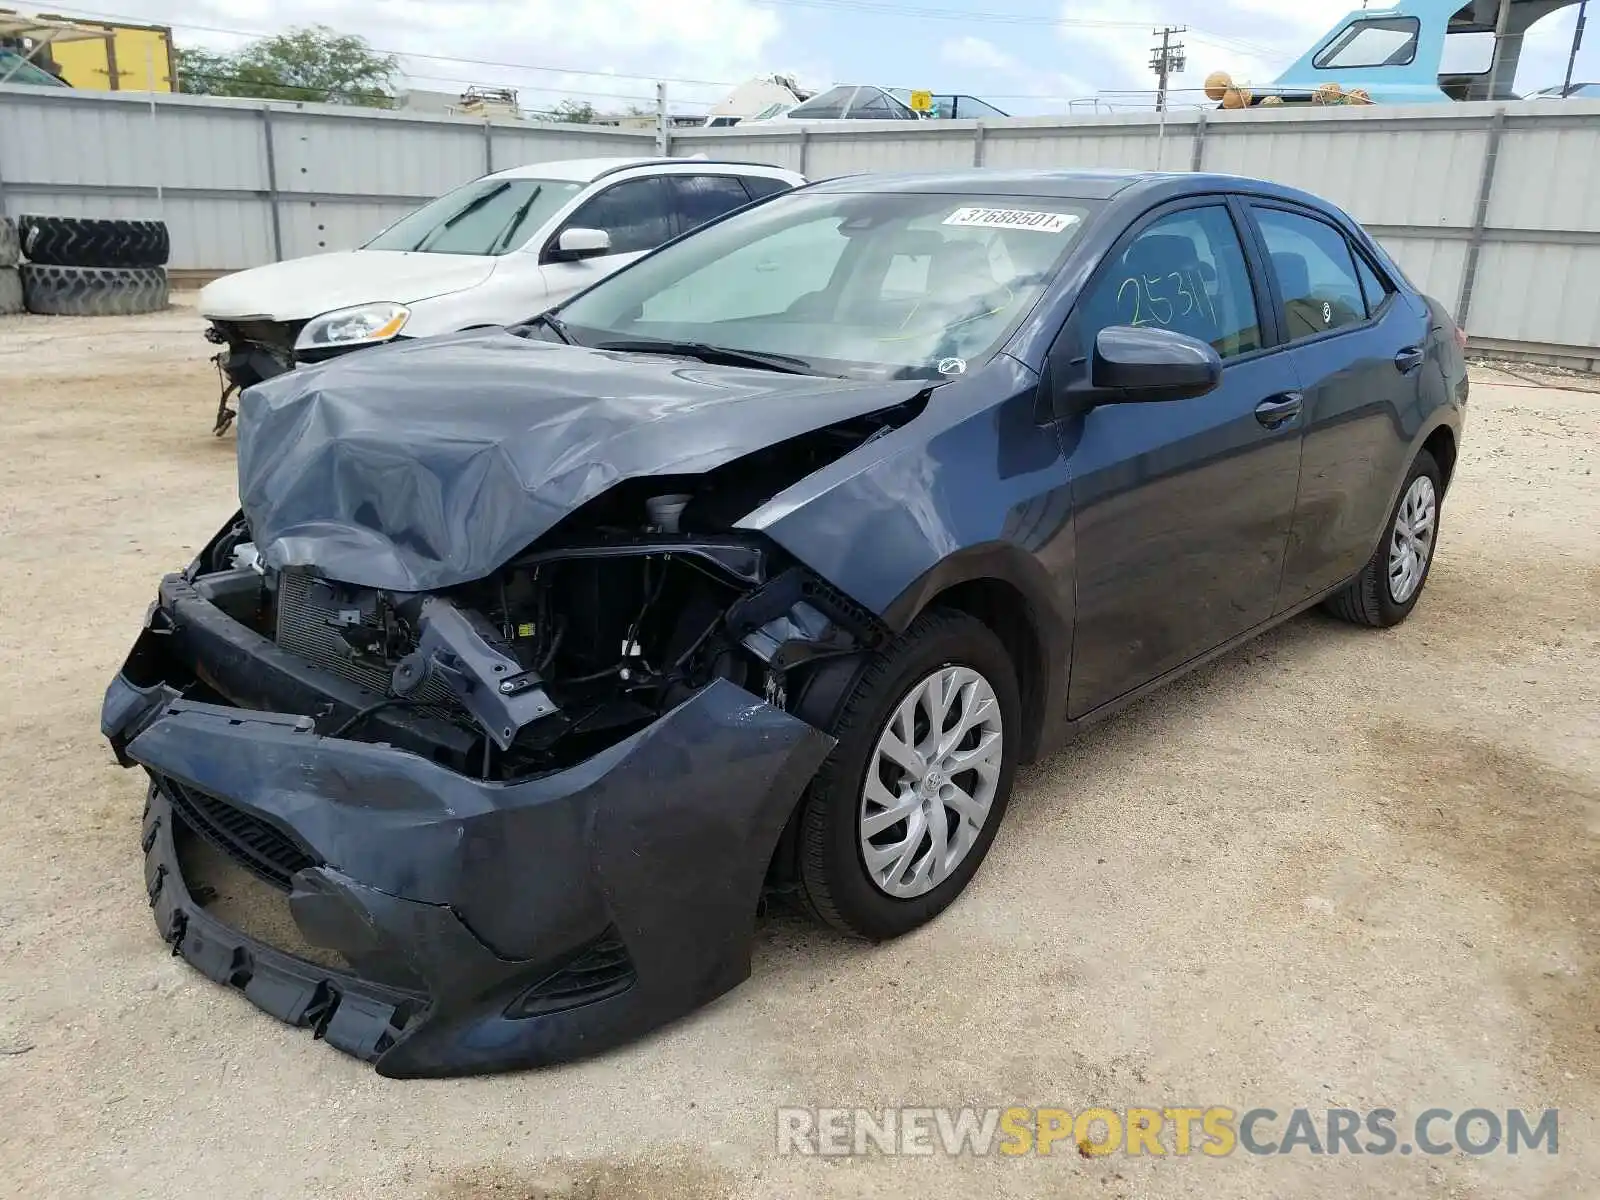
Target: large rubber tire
[10, 291]
[10, 248]
[1366, 599]
[93, 291]
[93, 242]
[834, 884]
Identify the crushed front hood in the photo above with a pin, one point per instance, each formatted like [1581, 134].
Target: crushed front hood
[420, 466]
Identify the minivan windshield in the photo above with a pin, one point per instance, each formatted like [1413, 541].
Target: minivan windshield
[487, 216]
[861, 284]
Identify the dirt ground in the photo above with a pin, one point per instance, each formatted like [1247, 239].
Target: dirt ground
[1338, 868]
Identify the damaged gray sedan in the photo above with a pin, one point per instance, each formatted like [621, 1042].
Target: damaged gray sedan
[536, 656]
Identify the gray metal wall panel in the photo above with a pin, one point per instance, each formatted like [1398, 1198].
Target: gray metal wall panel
[1547, 294]
[779, 149]
[1412, 173]
[322, 226]
[885, 146]
[316, 154]
[1433, 264]
[1548, 178]
[520, 145]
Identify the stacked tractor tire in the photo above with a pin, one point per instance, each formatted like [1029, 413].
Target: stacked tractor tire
[83, 266]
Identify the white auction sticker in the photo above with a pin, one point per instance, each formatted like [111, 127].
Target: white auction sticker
[1012, 218]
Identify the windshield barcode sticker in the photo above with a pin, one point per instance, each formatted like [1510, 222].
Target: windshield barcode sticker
[1012, 218]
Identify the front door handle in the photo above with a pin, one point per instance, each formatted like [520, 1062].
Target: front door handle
[1409, 359]
[1279, 409]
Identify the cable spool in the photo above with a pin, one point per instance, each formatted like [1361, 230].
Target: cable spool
[1217, 85]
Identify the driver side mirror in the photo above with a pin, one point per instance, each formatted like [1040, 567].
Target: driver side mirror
[579, 243]
[1139, 365]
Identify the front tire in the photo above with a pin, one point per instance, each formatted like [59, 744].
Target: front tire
[1391, 583]
[903, 812]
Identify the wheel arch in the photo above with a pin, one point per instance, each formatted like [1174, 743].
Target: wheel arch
[1007, 589]
[1441, 443]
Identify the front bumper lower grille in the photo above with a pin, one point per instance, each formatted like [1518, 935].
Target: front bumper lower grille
[258, 847]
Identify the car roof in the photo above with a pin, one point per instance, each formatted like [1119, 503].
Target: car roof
[587, 170]
[1085, 184]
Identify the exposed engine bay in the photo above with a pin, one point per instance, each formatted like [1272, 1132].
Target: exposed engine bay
[628, 607]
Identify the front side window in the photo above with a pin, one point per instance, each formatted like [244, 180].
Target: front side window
[859, 284]
[1380, 42]
[1185, 272]
[635, 213]
[487, 216]
[1315, 271]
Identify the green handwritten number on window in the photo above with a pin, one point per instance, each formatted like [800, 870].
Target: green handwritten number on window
[1133, 282]
[1153, 306]
[1157, 299]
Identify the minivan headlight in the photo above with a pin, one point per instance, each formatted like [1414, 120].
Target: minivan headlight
[361, 325]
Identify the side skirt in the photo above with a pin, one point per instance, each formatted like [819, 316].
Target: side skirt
[1089, 719]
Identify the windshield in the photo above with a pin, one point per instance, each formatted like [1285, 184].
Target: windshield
[486, 216]
[864, 284]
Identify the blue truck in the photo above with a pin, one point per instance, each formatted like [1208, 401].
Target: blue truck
[1417, 52]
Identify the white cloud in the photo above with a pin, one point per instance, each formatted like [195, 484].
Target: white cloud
[976, 53]
[1007, 81]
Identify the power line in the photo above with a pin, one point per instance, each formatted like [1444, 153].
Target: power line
[878, 7]
[447, 58]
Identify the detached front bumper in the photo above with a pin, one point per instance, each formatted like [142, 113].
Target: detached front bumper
[487, 926]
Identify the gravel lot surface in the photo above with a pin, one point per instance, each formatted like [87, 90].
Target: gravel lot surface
[1339, 868]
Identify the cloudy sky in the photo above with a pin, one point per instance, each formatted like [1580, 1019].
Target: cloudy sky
[1027, 56]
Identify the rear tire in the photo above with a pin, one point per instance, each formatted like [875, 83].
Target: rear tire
[93, 242]
[10, 247]
[1391, 583]
[835, 882]
[93, 291]
[10, 291]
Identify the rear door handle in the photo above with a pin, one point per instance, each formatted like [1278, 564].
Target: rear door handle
[1279, 409]
[1409, 359]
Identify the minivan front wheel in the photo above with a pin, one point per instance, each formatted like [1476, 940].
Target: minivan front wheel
[901, 815]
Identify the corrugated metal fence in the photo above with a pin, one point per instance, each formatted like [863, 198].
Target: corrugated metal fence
[242, 183]
[1494, 208]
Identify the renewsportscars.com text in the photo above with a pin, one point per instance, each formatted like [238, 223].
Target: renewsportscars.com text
[1213, 1131]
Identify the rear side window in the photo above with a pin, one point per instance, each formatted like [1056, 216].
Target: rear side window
[1373, 288]
[703, 198]
[1379, 42]
[635, 213]
[762, 186]
[1315, 271]
[1185, 272]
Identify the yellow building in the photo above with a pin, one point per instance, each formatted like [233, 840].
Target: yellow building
[125, 58]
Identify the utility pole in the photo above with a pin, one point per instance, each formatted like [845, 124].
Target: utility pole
[1167, 59]
[1577, 41]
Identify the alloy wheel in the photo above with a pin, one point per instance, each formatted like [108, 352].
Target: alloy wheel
[931, 781]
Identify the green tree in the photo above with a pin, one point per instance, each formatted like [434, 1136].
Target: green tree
[575, 112]
[314, 64]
